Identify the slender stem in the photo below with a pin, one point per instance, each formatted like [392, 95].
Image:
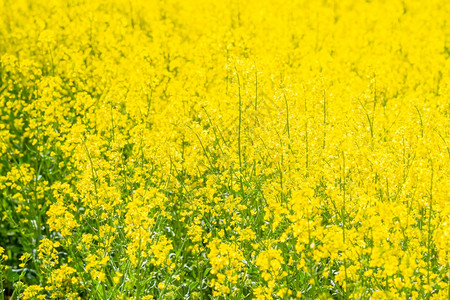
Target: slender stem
[2, 292]
[287, 117]
[256, 90]
[324, 119]
[240, 120]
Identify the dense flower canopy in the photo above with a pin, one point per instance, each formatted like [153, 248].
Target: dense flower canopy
[240, 149]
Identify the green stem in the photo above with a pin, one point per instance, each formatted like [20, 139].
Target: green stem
[240, 121]
[2, 292]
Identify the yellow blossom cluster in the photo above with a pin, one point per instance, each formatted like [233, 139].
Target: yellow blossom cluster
[239, 149]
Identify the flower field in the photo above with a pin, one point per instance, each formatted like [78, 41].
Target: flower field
[239, 149]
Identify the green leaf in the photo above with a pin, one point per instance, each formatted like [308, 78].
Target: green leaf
[12, 276]
[193, 285]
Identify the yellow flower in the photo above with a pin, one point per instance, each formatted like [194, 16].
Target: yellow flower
[117, 278]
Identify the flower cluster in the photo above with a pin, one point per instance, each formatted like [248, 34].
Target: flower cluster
[239, 149]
